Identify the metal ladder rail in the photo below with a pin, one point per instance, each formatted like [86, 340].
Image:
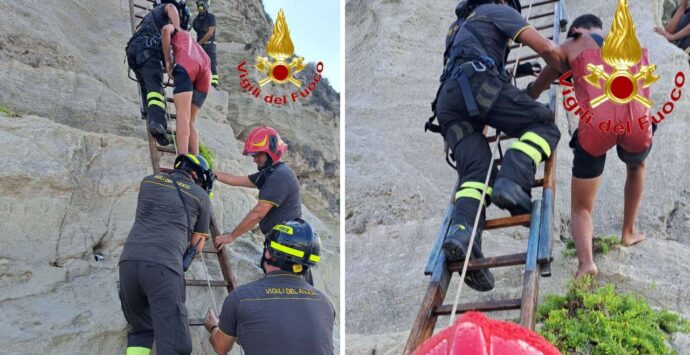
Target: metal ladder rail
[137, 12]
[537, 259]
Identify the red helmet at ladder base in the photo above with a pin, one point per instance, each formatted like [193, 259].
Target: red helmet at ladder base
[266, 140]
[475, 334]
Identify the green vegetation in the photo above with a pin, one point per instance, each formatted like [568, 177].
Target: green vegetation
[597, 320]
[203, 151]
[207, 154]
[7, 111]
[602, 245]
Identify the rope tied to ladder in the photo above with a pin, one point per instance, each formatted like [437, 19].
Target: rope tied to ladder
[483, 196]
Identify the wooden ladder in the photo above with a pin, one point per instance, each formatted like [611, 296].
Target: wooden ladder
[536, 259]
[136, 14]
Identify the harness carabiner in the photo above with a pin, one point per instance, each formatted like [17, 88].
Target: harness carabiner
[481, 68]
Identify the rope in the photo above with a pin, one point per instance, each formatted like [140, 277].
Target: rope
[481, 201]
[474, 231]
[208, 282]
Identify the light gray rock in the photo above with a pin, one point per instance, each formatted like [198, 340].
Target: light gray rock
[398, 183]
[74, 158]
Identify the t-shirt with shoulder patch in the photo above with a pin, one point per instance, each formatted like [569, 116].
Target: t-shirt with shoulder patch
[280, 188]
[497, 24]
[160, 233]
[279, 314]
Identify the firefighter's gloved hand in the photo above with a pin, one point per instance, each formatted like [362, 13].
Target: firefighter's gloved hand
[211, 320]
[529, 68]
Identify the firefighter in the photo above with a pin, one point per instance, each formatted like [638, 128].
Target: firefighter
[145, 58]
[280, 313]
[205, 27]
[173, 214]
[476, 91]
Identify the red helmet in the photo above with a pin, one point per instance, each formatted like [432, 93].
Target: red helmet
[267, 140]
[475, 334]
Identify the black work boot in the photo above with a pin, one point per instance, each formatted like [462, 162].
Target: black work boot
[509, 195]
[158, 132]
[455, 249]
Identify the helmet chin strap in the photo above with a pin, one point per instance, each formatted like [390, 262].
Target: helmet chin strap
[268, 164]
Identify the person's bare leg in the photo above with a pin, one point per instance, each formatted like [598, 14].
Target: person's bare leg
[183, 103]
[193, 134]
[583, 193]
[634, 184]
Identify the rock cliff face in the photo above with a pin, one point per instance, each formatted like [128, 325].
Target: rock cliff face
[398, 183]
[75, 153]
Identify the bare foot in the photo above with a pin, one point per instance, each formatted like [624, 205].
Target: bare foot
[630, 239]
[663, 32]
[586, 269]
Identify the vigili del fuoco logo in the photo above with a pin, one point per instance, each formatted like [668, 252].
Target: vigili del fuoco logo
[621, 51]
[279, 67]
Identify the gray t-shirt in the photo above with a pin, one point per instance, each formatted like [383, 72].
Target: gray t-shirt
[160, 233]
[280, 188]
[279, 314]
[496, 24]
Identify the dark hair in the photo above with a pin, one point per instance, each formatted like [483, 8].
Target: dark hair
[587, 21]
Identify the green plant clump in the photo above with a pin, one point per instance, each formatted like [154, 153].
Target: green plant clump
[7, 111]
[203, 151]
[601, 245]
[598, 320]
[207, 154]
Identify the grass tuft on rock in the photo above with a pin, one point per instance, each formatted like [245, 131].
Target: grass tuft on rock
[601, 245]
[7, 111]
[591, 319]
[203, 151]
[208, 155]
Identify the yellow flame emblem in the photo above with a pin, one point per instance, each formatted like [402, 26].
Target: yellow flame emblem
[621, 50]
[280, 48]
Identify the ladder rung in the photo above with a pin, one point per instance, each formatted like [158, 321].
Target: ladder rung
[143, 7]
[504, 222]
[538, 183]
[195, 322]
[543, 27]
[173, 116]
[546, 2]
[210, 250]
[523, 59]
[490, 262]
[488, 306]
[139, 16]
[492, 139]
[541, 15]
[214, 283]
[169, 99]
[166, 149]
[165, 170]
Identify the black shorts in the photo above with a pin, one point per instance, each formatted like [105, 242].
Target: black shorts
[183, 83]
[586, 166]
